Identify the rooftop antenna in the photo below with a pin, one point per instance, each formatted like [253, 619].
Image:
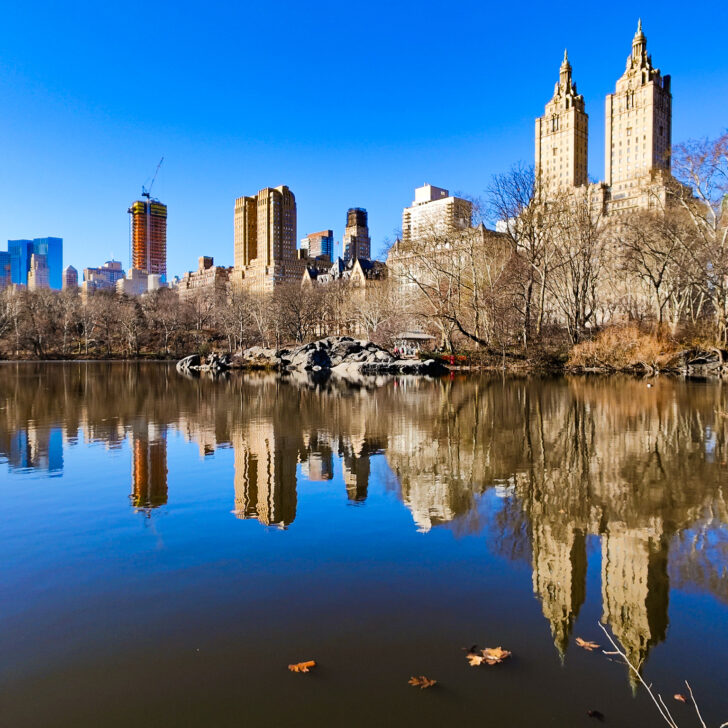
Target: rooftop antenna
[148, 192]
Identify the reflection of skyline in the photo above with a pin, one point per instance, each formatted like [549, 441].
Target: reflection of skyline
[639, 469]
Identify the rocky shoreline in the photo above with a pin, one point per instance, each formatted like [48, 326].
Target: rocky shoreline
[341, 356]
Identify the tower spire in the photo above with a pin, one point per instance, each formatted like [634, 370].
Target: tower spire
[639, 42]
[565, 71]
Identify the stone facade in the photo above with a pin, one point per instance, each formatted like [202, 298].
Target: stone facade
[562, 135]
[638, 134]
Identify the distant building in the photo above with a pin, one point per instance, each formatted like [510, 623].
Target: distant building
[319, 244]
[208, 277]
[360, 272]
[149, 237]
[137, 282]
[433, 213]
[265, 241]
[20, 252]
[105, 277]
[357, 243]
[38, 275]
[70, 278]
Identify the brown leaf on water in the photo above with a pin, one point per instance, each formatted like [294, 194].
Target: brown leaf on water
[590, 646]
[489, 656]
[422, 682]
[302, 666]
[680, 698]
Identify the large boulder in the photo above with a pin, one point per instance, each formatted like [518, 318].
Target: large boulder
[258, 357]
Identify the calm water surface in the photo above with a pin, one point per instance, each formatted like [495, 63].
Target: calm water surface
[169, 546]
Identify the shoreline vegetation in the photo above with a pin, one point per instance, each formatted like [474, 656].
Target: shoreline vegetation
[615, 350]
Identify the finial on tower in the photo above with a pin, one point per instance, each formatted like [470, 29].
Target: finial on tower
[639, 35]
[565, 65]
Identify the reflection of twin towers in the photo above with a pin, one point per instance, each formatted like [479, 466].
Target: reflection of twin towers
[634, 582]
[265, 469]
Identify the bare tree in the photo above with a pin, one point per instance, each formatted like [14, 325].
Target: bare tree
[515, 201]
[701, 191]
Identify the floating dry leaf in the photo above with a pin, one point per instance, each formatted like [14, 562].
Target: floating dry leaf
[680, 698]
[302, 666]
[590, 646]
[490, 656]
[422, 682]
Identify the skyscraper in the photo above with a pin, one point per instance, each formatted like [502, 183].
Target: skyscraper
[561, 136]
[265, 240]
[52, 249]
[149, 236]
[246, 230]
[276, 224]
[638, 126]
[357, 243]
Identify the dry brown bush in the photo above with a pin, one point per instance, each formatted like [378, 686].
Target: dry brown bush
[622, 348]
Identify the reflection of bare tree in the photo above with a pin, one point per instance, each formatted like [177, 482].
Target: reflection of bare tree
[539, 466]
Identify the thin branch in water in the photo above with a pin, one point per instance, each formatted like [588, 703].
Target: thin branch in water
[665, 715]
[697, 710]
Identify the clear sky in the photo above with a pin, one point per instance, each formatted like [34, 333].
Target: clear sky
[350, 104]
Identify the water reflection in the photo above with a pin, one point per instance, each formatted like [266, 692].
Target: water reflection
[643, 470]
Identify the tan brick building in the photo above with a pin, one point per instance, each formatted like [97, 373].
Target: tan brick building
[265, 241]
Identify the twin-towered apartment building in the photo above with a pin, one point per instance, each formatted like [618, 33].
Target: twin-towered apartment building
[638, 135]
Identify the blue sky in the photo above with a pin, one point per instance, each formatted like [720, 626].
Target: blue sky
[349, 104]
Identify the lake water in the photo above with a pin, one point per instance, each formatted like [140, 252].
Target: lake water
[170, 545]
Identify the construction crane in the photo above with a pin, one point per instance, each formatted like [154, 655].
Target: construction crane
[148, 192]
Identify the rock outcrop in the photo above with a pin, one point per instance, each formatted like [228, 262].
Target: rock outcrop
[214, 363]
[347, 357]
[341, 356]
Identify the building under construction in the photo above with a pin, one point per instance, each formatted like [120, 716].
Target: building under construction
[149, 236]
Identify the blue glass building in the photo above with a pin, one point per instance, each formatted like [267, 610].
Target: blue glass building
[20, 252]
[52, 248]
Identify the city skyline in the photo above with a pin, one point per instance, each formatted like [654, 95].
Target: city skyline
[459, 146]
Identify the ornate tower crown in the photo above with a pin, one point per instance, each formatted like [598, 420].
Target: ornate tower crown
[639, 57]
